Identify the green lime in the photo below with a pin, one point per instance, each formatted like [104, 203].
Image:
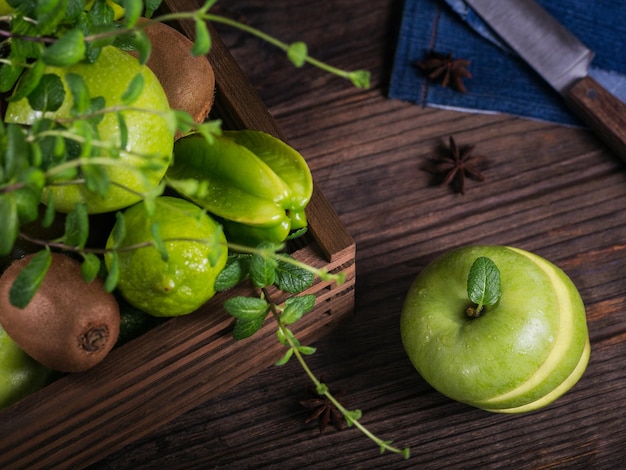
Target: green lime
[196, 253]
[20, 374]
[148, 150]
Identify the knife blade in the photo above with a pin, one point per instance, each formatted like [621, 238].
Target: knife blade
[561, 60]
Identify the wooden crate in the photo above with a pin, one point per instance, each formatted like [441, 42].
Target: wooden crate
[81, 418]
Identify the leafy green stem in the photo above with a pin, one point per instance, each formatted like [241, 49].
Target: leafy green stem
[265, 252]
[352, 416]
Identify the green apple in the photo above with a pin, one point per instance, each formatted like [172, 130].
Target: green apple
[150, 140]
[522, 353]
[20, 374]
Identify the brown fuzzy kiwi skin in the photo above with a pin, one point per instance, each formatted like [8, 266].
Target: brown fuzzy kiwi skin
[69, 325]
[188, 81]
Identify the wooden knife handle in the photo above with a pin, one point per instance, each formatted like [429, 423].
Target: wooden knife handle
[601, 111]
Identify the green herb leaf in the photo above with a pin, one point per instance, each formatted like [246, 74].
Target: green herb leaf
[119, 230]
[9, 228]
[77, 227]
[132, 11]
[306, 350]
[246, 328]
[13, 161]
[48, 95]
[291, 278]
[113, 273]
[29, 81]
[69, 49]
[202, 43]
[296, 307]
[9, 74]
[235, 271]
[150, 7]
[121, 123]
[360, 78]
[262, 270]
[27, 203]
[29, 279]
[155, 230]
[283, 360]
[143, 45]
[90, 267]
[134, 89]
[286, 337]
[483, 282]
[297, 53]
[80, 93]
[246, 308]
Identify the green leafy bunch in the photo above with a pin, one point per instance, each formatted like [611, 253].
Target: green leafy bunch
[265, 267]
[61, 33]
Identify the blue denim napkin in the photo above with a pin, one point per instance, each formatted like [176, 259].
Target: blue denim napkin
[501, 81]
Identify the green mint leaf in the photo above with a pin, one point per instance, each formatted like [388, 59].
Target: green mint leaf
[90, 267]
[287, 338]
[296, 307]
[306, 350]
[297, 53]
[79, 91]
[119, 230]
[235, 271]
[360, 78]
[132, 11]
[283, 360]
[50, 212]
[69, 49]
[29, 81]
[13, 160]
[9, 74]
[155, 230]
[291, 278]
[9, 228]
[247, 308]
[352, 416]
[134, 89]
[262, 270]
[150, 7]
[246, 328]
[48, 95]
[113, 273]
[96, 179]
[27, 203]
[202, 42]
[121, 123]
[143, 46]
[77, 227]
[483, 282]
[29, 279]
[217, 246]
[49, 14]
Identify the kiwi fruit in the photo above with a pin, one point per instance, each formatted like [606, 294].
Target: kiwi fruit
[188, 81]
[70, 325]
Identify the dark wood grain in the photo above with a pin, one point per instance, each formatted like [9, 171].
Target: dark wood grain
[553, 190]
[602, 111]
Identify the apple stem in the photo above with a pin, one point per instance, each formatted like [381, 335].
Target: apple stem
[474, 311]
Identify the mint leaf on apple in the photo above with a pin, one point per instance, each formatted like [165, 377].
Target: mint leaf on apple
[483, 284]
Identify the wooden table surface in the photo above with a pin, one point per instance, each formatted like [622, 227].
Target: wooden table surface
[553, 190]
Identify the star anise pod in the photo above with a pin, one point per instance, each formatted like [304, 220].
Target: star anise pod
[324, 411]
[459, 164]
[446, 69]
